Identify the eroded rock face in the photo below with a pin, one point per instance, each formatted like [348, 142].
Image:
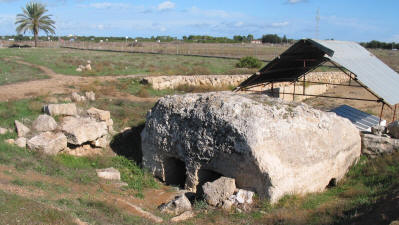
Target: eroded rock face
[44, 123]
[82, 130]
[266, 145]
[48, 142]
[68, 109]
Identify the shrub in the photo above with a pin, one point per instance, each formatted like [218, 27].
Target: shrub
[249, 62]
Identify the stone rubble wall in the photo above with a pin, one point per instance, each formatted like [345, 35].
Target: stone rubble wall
[171, 82]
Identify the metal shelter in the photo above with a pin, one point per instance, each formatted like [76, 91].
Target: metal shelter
[351, 58]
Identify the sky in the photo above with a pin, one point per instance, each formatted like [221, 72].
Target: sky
[352, 20]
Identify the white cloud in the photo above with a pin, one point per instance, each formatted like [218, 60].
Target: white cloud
[280, 24]
[107, 5]
[295, 1]
[164, 6]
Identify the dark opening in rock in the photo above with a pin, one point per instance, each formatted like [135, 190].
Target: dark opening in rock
[175, 172]
[204, 176]
[332, 183]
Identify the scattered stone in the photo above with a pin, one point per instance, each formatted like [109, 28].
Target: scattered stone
[88, 61]
[393, 129]
[9, 141]
[374, 145]
[21, 142]
[90, 95]
[227, 204]
[44, 123]
[184, 216]
[82, 130]
[48, 142]
[67, 109]
[3, 130]
[78, 98]
[99, 114]
[244, 196]
[219, 190]
[377, 130]
[22, 130]
[79, 69]
[120, 184]
[109, 174]
[88, 67]
[267, 145]
[395, 222]
[176, 206]
[101, 142]
[84, 150]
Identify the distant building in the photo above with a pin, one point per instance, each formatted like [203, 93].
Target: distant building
[256, 42]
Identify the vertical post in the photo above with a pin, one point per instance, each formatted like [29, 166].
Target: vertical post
[382, 109]
[394, 114]
[272, 90]
[304, 79]
[293, 93]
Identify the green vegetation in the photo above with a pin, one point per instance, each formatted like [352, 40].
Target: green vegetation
[65, 61]
[11, 72]
[249, 62]
[20, 210]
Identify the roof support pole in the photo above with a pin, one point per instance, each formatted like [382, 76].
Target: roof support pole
[272, 90]
[394, 114]
[382, 110]
[304, 79]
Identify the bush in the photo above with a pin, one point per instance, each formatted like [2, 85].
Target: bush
[249, 62]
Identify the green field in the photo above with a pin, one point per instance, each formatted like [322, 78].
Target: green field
[65, 61]
[11, 72]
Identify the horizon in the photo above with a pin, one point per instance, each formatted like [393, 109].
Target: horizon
[296, 19]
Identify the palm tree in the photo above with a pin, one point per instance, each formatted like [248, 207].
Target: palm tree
[34, 19]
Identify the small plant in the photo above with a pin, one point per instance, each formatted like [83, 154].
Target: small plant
[249, 62]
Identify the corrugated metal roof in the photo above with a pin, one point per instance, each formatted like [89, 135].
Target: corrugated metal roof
[363, 121]
[370, 71]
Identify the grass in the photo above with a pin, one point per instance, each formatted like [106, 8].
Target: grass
[65, 61]
[20, 210]
[11, 72]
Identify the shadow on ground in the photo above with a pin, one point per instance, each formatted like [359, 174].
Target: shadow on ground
[128, 143]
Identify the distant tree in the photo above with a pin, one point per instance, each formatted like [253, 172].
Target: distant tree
[284, 40]
[271, 38]
[33, 19]
[250, 37]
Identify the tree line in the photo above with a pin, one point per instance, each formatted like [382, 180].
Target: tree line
[379, 44]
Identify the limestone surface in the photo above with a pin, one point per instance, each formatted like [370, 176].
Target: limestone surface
[44, 123]
[48, 142]
[82, 130]
[375, 145]
[68, 109]
[22, 130]
[267, 145]
[219, 190]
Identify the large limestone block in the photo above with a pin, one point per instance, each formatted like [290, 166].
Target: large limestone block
[266, 145]
[44, 123]
[99, 114]
[22, 130]
[393, 129]
[67, 109]
[82, 130]
[375, 145]
[48, 142]
[219, 190]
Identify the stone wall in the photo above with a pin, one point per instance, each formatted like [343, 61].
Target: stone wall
[165, 82]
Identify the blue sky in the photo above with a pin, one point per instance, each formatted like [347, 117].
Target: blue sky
[353, 20]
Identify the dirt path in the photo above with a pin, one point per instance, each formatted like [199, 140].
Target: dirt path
[57, 84]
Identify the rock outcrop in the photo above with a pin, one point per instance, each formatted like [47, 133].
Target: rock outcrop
[266, 145]
[48, 142]
[44, 123]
